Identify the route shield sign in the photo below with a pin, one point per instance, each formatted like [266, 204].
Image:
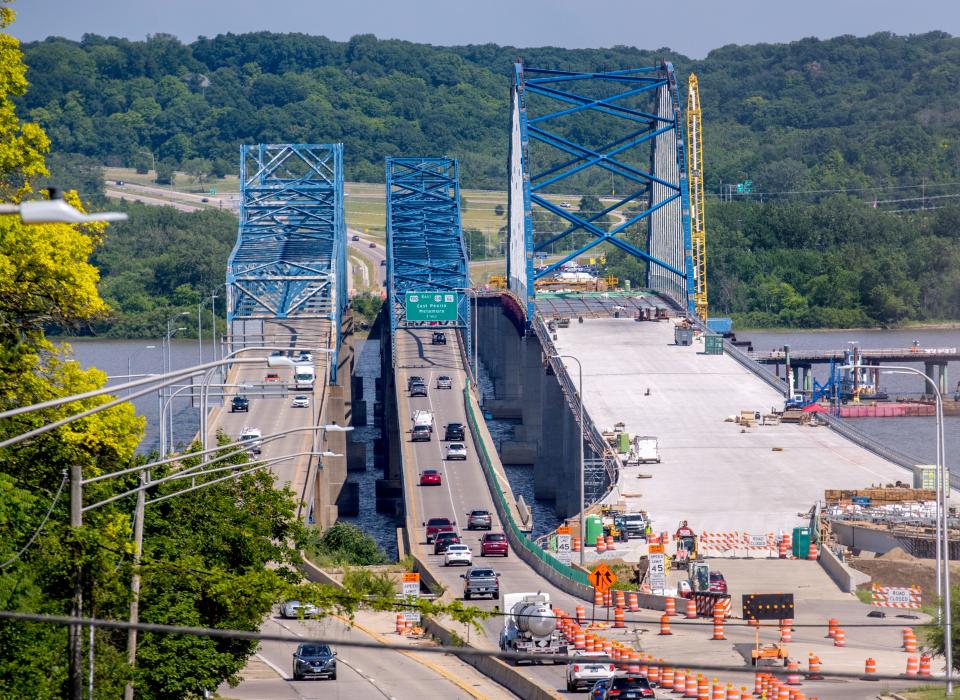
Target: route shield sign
[602, 578]
[431, 306]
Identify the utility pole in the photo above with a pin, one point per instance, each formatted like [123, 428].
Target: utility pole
[135, 583]
[76, 631]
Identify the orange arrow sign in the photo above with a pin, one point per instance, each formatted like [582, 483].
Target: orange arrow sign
[602, 578]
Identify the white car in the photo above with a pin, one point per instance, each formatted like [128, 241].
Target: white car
[301, 401]
[444, 382]
[456, 450]
[252, 436]
[305, 357]
[584, 671]
[458, 554]
[292, 609]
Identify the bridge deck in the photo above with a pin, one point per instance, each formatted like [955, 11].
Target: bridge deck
[712, 473]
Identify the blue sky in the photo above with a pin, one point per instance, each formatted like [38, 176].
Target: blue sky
[692, 27]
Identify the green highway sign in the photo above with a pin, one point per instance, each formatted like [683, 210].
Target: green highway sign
[432, 306]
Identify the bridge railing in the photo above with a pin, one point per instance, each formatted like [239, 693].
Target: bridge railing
[524, 547]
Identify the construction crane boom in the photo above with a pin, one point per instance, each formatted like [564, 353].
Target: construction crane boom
[698, 228]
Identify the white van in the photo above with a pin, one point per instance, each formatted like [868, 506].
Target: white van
[303, 377]
[253, 435]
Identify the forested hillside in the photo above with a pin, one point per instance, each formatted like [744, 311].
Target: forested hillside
[875, 120]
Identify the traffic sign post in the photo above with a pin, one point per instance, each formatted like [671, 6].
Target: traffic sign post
[431, 306]
[564, 547]
[411, 594]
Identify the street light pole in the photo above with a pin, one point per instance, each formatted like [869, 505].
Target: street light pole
[130, 359]
[583, 532]
[943, 523]
[76, 631]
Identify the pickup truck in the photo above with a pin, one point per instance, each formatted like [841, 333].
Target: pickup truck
[436, 525]
[481, 581]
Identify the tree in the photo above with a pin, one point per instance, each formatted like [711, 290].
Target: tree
[198, 168]
[166, 172]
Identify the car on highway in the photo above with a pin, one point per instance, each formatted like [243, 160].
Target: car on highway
[204, 199]
[444, 540]
[271, 377]
[252, 436]
[314, 661]
[421, 433]
[437, 525]
[240, 404]
[454, 431]
[623, 686]
[430, 477]
[494, 544]
[292, 609]
[444, 382]
[585, 671]
[481, 580]
[413, 379]
[300, 401]
[372, 245]
[718, 584]
[305, 357]
[458, 554]
[354, 237]
[456, 450]
[479, 520]
[418, 389]
[383, 263]
[438, 338]
[119, 183]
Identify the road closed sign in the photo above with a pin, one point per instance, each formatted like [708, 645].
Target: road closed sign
[431, 306]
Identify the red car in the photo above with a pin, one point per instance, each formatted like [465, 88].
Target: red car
[718, 584]
[436, 525]
[429, 477]
[272, 377]
[494, 543]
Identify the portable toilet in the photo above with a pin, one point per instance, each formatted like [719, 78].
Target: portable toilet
[623, 443]
[801, 542]
[594, 526]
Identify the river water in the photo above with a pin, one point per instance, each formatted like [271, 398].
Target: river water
[912, 436]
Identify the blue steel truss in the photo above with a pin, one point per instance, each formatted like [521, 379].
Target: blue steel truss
[661, 189]
[290, 258]
[425, 248]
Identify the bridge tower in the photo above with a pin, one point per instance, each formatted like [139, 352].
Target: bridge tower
[425, 247]
[616, 134]
[289, 263]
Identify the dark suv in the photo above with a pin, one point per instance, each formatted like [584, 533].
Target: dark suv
[444, 540]
[623, 686]
[418, 389]
[240, 403]
[314, 661]
[454, 432]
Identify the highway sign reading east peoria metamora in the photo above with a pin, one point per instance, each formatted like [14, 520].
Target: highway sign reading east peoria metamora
[431, 306]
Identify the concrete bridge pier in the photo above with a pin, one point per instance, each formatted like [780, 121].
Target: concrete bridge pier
[937, 372]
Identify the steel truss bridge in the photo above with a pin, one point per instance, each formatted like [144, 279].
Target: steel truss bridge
[289, 262]
[558, 118]
[425, 248]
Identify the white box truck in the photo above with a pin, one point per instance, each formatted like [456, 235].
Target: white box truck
[303, 377]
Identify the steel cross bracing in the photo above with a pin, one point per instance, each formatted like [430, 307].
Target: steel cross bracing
[643, 150]
[290, 258]
[425, 248]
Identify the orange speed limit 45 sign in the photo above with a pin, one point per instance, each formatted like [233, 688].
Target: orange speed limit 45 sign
[602, 578]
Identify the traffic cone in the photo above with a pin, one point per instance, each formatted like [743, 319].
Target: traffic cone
[717, 626]
[581, 615]
[924, 665]
[670, 607]
[618, 618]
[601, 545]
[793, 673]
[691, 609]
[665, 625]
[786, 631]
[812, 553]
[832, 625]
[813, 667]
[870, 670]
[913, 666]
[634, 601]
[839, 638]
[690, 690]
[703, 688]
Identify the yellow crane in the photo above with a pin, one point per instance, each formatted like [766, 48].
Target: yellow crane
[698, 229]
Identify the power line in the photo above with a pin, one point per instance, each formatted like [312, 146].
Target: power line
[36, 532]
[455, 650]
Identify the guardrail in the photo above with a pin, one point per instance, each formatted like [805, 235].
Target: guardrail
[523, 546]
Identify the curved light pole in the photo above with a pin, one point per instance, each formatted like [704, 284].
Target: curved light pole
[133, 355]
[166, 432]
[943, 529]
[583, 532]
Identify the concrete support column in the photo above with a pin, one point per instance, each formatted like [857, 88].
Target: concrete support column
[943, 379]
[929, 369]
[546, 470]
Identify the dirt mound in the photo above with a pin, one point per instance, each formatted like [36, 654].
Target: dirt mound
[897, 554]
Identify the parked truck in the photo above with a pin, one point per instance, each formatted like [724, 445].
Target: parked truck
[422, 426]
[643, 449]
[530, 626]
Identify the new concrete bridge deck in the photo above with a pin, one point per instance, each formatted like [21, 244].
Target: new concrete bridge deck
[715, 474]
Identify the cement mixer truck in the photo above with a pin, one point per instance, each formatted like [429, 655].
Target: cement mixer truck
[530, 626]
